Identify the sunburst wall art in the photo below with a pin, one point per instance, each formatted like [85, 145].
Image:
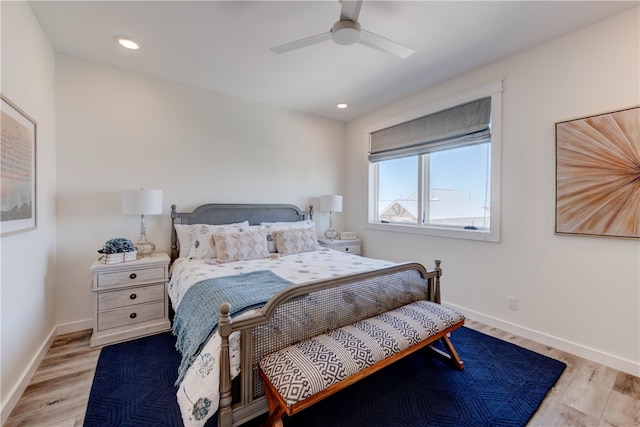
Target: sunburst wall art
[598, 175]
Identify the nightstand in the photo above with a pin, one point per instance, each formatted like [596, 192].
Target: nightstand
[351, 246]
[130, 299]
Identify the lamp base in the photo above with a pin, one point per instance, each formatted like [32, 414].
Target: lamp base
[331, 234]
[144, 247]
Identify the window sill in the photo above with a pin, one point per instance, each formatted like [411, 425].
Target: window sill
[436, 231]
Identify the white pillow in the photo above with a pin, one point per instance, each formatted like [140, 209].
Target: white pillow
[202, 245]
[241, 245]
[279, 226]
[185, 238]
[296, 240]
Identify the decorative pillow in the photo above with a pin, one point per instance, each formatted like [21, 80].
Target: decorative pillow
[202, 246]
[185, 238]
[241, 245]
[294, 241]
[279, 226]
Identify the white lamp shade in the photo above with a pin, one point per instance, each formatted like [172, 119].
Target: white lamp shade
[141, 202]
[331, 203]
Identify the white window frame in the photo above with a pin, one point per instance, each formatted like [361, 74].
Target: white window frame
[494, 90]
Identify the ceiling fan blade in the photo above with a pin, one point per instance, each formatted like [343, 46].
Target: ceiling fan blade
[319, 38]
[383, 44]
[350, 10]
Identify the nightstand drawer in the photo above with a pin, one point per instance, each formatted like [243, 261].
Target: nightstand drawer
[131, 276]
[130, 315]
[349, 246]
[352, 248]
[132, 296]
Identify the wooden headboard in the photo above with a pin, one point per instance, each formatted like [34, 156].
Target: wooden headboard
[223, 213]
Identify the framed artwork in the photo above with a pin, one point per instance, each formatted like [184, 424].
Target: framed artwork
[598, 175]
[17, 169]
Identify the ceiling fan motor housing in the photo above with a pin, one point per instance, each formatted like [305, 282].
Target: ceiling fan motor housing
[345, 32]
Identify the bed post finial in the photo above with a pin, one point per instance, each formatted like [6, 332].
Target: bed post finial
[225, 308]
[225, 415]
[174, 237]
[437, 290]
[311, 212]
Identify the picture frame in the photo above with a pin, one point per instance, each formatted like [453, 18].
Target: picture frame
[18, 180]
[597, 176]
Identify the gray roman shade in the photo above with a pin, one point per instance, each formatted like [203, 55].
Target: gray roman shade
[458, 126]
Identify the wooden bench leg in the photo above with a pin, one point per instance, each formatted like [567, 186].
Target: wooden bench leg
[450, 355]
[275, 418]
[455, 358]
[276, 410]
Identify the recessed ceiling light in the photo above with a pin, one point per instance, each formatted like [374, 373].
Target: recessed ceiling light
[342, 105]
[128, 43]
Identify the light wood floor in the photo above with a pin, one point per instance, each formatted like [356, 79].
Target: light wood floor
[587, 394]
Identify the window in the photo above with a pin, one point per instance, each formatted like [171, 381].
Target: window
[438, 174]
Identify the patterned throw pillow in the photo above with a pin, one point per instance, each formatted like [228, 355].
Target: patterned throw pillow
[296, 240]
[202, 246]
[279, 226]
[242, 245]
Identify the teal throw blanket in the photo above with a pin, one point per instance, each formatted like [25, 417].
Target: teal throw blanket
[199, 311]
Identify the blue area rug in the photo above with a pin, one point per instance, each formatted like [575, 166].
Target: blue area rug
[133, 384]
[501, 385]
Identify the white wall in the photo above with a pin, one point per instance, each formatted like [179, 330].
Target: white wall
[119, 130]
[28, 259]
[577, 293]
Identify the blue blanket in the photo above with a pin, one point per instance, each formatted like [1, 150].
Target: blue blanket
[199, 311]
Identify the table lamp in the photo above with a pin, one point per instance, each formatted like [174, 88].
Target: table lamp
[331, 203]
[142, 202]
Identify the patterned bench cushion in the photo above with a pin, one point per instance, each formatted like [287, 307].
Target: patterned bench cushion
[308, 367]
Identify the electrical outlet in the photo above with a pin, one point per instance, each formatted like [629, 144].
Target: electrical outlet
[512, 303]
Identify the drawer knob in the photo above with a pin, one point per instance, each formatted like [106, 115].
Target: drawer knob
[133, 315]
[133, 276]
[346, 249]
[133, 296]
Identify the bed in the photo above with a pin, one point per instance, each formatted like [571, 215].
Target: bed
[299, 290]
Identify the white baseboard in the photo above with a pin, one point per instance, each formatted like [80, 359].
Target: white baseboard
[597, 356]
[14, 395]
[16, 392]
[68, 328]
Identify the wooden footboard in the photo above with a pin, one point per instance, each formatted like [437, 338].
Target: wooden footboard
[304, 311]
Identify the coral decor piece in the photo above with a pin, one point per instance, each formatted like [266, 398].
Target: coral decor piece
[117, 245]
[118, 250]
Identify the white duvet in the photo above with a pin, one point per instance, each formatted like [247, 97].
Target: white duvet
[198, 394]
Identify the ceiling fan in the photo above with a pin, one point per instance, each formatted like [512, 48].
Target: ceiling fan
[347, 31]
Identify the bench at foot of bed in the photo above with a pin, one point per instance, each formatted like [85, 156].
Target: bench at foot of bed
[302, 374]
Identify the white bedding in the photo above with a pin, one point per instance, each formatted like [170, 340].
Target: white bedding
[198, 394]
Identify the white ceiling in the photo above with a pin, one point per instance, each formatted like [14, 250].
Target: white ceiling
[223, 46]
